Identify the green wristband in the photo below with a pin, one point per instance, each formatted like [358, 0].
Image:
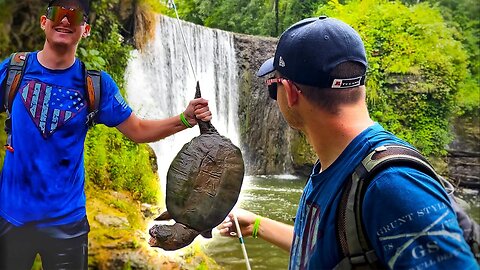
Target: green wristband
[256, 226]
[184, 121]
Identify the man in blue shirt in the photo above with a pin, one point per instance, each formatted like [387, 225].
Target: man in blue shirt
[318, 80]
[42, 198]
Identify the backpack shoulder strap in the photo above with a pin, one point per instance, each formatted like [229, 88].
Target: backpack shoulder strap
[14, 77]
[15, 71]
[93, 89]
[351, 233]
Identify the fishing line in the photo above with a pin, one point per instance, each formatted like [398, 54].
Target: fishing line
[171, 4]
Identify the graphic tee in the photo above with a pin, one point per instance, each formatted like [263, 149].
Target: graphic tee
[409, 220]
[42, 181]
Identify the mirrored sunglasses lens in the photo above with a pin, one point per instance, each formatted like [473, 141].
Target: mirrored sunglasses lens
[56, 14]
[75, 17]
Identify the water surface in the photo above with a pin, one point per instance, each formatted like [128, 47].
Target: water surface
[275, 197]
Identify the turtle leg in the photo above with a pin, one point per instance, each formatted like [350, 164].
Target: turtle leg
[171, 237]
[207, 234]
[164, 216]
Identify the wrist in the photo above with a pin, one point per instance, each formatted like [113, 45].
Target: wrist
[256, 227]
[185, 121]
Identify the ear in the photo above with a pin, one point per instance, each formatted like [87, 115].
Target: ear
[86, 31]
[43, 21]
[291, 92]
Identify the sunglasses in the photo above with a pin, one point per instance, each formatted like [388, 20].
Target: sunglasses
[75, 17]
[272, 86]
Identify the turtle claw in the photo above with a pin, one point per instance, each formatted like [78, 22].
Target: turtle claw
[164, 216]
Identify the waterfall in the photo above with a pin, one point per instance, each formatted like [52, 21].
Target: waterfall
[160, 82]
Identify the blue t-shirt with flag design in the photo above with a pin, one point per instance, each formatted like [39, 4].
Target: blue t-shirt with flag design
[42, 180]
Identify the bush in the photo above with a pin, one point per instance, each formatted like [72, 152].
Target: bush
[416, 68]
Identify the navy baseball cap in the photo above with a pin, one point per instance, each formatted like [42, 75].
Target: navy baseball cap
[309, 50]
[83, 4]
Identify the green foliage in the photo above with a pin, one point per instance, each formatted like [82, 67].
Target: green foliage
[105, 49]
[415, 67]
[463, 15]
[468, 98]
[19, 21]
[111, 160]
[256, 17]
[297, 10]
[92, 59]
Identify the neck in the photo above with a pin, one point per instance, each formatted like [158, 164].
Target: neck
[56, 57]
[331, 134]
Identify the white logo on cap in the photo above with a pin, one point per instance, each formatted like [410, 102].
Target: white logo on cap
[346, 83]
[281, 62]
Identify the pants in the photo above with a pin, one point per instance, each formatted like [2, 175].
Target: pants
[19, 247]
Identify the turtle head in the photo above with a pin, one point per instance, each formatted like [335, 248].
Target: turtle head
[171, 237]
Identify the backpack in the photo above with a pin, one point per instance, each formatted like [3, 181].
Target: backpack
[11, 84]
[356, 249]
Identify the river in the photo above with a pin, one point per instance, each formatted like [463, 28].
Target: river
[277, 197]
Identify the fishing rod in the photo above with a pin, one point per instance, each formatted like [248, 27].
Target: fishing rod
[242, 243]
[171, 4]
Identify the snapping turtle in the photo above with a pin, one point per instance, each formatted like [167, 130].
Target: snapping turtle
[203, 185]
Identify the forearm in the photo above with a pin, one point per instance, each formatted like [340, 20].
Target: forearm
[143, 130]
[277, 233]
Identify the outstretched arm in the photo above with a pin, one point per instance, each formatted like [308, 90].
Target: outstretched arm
[143, 130]
[275, 232]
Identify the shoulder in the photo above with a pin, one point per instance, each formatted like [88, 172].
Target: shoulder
[105, 76]
[3, 69]
[405, 184]
[107, 82]
[4, 63]
[409, 218]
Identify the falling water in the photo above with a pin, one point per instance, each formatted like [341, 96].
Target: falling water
[160, 82]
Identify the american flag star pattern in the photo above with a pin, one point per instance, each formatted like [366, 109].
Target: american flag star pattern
[51, 106]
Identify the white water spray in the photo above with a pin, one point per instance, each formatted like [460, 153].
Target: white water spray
[160, 82]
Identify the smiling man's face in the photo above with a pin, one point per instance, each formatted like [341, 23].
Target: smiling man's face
[65, 25]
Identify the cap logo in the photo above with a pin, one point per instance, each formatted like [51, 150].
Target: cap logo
[346, 83]
[281, 62]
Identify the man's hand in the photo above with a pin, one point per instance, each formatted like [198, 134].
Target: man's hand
[197, 109]
[270, 230]
[245, 219]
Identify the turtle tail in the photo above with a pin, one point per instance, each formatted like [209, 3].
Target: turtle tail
[171, 237]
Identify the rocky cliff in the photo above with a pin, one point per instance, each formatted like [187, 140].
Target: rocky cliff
[270, 146]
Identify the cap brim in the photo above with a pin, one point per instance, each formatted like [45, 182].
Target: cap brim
[266, 68]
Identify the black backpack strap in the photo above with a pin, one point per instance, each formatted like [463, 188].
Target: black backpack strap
[355, 246]
[10, 88]
[93, 90]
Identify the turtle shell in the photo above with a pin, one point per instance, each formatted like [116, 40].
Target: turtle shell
[204, 181]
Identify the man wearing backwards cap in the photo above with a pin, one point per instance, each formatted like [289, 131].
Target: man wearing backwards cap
[42, 199]
[318, 81]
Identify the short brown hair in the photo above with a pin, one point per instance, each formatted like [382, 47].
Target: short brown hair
[330, 99]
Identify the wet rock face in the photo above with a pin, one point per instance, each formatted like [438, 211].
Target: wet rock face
[264, 134]
[464, 153]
